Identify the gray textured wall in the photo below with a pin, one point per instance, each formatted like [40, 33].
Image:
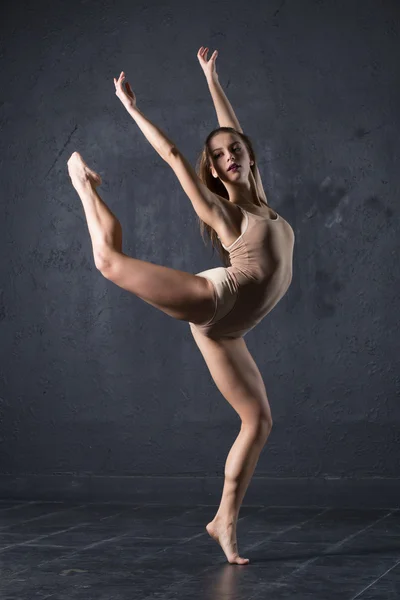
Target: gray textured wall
[96, 382]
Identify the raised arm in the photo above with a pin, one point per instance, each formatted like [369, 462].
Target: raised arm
[225, 113]
[160, 142]
[204, 201]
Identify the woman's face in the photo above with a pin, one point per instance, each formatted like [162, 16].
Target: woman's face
[227, 149]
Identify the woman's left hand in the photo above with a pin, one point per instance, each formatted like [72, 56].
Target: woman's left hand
[126, 94]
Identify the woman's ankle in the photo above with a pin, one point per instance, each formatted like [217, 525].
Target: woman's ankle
[226, 517]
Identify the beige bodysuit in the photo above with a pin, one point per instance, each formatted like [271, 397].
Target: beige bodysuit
[260, 273]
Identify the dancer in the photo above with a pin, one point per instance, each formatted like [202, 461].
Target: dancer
[222, 304]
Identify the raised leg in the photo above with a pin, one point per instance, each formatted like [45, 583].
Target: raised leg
[239, 380]
[179, 294]
[104, 228]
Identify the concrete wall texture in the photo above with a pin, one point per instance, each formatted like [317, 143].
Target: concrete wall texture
[97, 383]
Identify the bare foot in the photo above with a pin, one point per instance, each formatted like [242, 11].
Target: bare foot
[225, 534]
[80, 172]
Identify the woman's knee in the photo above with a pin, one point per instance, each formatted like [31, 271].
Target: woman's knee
[259, 426]
[256, 414]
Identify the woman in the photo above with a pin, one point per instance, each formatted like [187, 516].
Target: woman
[221, 304]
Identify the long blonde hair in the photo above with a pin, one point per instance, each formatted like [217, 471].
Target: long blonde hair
[203, 170]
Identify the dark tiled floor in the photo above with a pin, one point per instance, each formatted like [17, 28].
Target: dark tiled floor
[108, 551]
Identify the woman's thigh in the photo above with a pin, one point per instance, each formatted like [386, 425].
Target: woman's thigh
[236, 375]
[180, 295]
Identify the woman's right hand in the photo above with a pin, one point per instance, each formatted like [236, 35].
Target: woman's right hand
[208, 66]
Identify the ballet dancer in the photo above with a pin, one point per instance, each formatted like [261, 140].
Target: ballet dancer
[222, 304]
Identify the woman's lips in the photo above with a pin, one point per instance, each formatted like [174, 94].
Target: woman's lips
[235, 168]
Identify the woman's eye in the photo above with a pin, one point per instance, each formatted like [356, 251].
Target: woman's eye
[217, 155]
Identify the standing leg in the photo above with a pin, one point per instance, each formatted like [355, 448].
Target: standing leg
[179, 294]
[239, 380]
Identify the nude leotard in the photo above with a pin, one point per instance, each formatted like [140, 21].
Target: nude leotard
[259, 275]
